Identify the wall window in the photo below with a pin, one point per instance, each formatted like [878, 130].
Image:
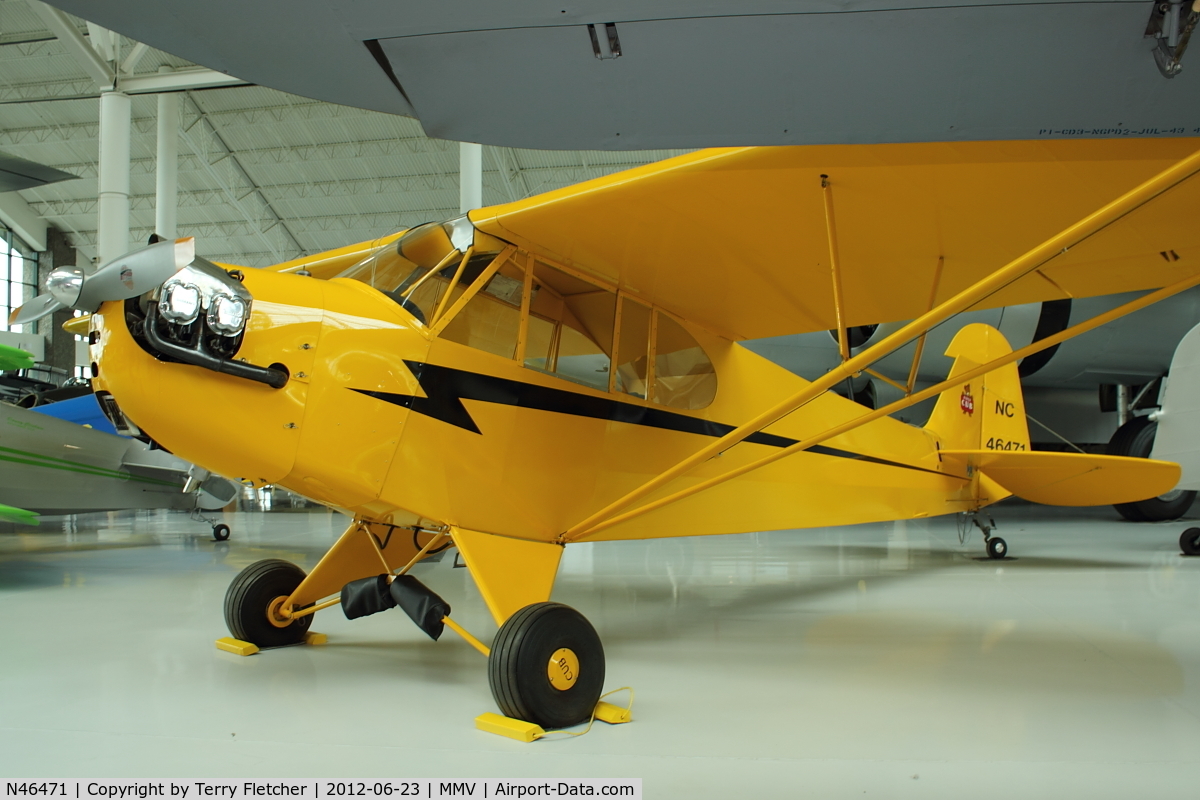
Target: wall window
[18, 276]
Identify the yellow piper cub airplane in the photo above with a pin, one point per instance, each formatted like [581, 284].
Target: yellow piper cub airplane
[565, 368]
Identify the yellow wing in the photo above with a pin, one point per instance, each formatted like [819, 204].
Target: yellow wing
[735, 239]
[1071, 479]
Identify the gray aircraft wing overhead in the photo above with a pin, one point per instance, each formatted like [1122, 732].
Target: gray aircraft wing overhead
[50, 466]
[702, 73]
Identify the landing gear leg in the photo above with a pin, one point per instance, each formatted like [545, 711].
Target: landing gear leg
[993, 545]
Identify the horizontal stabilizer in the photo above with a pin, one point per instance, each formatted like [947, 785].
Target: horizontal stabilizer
[1070, 479]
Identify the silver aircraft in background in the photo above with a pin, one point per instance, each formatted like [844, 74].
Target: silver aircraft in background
[51, 466]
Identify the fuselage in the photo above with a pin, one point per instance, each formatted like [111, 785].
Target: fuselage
[400, 421]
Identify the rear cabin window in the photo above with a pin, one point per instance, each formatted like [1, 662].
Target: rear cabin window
[683, 375]
[571, 325]
[632, 375]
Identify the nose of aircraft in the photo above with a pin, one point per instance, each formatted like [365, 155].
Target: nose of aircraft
[248, 373]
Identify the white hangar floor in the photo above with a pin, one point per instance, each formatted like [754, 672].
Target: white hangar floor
[878, 660]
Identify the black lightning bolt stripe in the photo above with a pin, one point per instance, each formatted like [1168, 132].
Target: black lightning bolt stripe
[446, 388]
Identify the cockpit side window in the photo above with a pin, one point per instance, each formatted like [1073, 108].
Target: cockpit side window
[571, 324]
[550, 318]
[491, 320]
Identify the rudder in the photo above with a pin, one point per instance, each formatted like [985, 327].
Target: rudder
[987, 412]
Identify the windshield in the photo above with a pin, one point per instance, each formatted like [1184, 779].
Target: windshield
[404, 270]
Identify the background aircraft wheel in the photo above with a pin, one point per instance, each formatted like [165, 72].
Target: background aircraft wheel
[1189, 542]
[220, 532]
[1136, 439]
[250, 597]
[547, 666]
[997, 547]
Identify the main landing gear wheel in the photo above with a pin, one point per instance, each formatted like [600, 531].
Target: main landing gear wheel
[547, 666]
[1189, 542]
[1136, 439]
[253, 600]
[997, 547]
[220, 532]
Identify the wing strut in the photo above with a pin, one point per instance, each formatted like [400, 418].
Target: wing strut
[957, 380]
[920, 348]
[1028, 263]
[839, 300]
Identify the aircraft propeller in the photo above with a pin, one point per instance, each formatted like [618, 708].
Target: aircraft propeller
[124, 277]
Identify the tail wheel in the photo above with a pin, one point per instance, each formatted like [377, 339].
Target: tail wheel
[1189, 542]
[1135, 439]
[547, 666]
[253, 601]
[997, 547]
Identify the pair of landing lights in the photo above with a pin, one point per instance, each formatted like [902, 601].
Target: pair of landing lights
[181, 304]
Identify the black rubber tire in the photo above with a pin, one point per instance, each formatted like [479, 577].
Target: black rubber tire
[1189, 542]
[220, 532]
[251, 593]
[997, 547]
[1135, 439]
[520, 654]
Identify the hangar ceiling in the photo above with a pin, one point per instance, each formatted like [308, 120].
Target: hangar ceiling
[264, 176]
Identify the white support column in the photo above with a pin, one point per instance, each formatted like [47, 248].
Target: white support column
[166, 184]
[112, 233]
[470, 176]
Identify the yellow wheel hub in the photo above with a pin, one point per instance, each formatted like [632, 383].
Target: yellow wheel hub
[275, 614]
[563, 669]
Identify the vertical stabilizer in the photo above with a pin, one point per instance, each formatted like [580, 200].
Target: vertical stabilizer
[987, 412]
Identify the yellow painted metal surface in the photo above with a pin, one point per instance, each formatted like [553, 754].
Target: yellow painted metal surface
[314, 639]
[563, 669]
[1071, 479]
[234, 427]
[236, 646]
[78, 326]
[508, 727]
[467, 636]
[985, 413]
[749, 224]
[510, 573]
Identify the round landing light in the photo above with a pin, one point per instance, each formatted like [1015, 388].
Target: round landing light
[180, 303]
[563, 669]
[227, 315]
